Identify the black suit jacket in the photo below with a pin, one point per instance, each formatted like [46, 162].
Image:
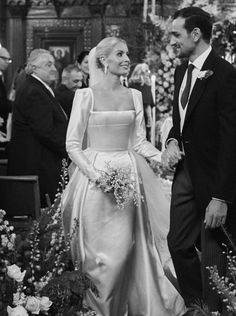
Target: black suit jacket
[65, 97]
[5, 107]
[209, 131]
[38, 136]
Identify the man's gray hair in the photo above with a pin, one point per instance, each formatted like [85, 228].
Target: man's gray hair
[35, 59]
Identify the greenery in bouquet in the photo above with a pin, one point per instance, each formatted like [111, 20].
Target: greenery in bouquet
[122, 183]
[36, 270]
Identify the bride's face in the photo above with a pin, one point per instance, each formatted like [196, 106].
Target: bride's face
[118, 61]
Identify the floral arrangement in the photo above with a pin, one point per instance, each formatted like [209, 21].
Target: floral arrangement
[122, 183]
[37, 275]
[162, 61]
[224, 285]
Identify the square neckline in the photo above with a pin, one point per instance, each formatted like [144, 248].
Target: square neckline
[107, 111]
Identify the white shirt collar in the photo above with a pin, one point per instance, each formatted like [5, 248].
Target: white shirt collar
[44, 83]
[199, 61]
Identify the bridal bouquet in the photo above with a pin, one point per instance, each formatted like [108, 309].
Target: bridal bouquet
[122, 182]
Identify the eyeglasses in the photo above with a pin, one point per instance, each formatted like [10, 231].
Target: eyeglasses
[8, 60]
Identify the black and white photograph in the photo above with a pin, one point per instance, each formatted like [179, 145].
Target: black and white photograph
[118, 158]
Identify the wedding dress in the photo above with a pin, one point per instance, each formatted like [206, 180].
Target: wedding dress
[124, 252]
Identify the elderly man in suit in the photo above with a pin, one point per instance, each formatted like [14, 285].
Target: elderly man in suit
[202, 147]
[39, 126]
[72, 79]
[5, 107]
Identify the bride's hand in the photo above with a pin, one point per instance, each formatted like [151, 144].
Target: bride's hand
[94, 175]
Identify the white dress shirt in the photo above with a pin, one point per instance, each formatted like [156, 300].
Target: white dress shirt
[198, 63]
[44, 83]
[51, 91]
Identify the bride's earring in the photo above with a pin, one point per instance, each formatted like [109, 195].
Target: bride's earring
[105, 69]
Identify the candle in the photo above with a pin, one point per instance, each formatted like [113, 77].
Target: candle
[153, 87]
[153, 6]
[145, 7]
[153, 125]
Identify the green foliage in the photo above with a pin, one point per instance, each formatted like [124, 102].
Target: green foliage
[43, 252]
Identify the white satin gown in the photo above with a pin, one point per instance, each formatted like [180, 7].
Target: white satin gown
[124, 252]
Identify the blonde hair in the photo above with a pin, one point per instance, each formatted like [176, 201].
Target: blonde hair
[105, 47]
[138, 74]
[35, 58]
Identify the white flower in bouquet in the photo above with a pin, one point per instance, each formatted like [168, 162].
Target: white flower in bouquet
[39, 285]
[45, 303]
[19, 298]
[17, 311]
[4, 240]
[33, 305]
[2, 213]
[15, 273]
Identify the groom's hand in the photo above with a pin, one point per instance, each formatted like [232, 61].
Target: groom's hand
[171, 155]
[216, 213]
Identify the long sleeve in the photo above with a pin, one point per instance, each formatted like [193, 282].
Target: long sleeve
[139, 141]
[82, 104]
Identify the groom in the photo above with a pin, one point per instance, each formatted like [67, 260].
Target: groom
[202, 147]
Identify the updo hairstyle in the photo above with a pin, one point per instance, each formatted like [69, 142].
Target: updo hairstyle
[105, 47]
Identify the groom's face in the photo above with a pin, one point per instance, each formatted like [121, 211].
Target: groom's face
[181, 39]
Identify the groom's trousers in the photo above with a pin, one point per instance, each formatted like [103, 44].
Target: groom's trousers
[186, 230]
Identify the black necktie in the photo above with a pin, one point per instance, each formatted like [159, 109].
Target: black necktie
[185, 94]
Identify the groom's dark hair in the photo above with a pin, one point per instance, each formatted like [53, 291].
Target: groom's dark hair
[196, 17]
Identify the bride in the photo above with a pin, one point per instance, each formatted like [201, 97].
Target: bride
[124, 252]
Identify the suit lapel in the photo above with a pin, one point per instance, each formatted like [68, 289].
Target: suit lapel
[179, 79]
[200, 85]
[58, 106]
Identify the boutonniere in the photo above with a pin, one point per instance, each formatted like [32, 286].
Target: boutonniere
[205, 74]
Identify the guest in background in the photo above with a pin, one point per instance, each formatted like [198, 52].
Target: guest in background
[72, 79]
[39, 127]
[5, 104]
[18, 79]
[140, 80]
[82, 62]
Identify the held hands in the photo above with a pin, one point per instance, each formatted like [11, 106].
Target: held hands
[216, 213]
[171, 155]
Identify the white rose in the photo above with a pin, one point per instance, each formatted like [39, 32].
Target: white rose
[15, 273]
[17, 311]
[45, 304]
[33, 305]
